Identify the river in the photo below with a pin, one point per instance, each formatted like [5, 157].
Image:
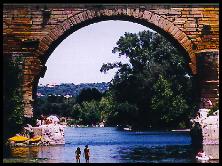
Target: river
[110, 145]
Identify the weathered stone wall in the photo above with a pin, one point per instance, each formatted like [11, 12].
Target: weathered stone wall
[210, 131]
[212, 151]
[52, 134]
[208, 75]
[33, 31]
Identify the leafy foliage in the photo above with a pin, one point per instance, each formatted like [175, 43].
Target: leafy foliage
[13, 117]
[88, 95]
[155, 81]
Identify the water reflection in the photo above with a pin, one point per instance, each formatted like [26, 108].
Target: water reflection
[157, 154]
[54, 153]
[25, 152]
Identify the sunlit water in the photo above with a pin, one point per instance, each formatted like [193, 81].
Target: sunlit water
[109, 145]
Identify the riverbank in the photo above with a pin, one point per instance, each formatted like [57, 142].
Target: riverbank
[23, 160]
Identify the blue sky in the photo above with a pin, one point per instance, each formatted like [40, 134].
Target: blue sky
[80, 56]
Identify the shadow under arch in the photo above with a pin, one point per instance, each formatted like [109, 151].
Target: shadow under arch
[52, 46]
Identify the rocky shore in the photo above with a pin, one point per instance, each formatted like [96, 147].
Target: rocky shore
[51, 133]
[205, 129]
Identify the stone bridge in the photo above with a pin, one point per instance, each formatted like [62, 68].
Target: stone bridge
[33, 31]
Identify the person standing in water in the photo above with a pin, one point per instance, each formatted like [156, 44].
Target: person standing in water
[86, 153]
[78, 154]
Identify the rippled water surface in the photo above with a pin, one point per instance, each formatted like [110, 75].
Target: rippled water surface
[109, 145]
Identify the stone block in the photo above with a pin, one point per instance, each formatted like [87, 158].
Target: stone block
[81, 17]
[37, 131]
[66, 25]
[155, 19]
[212, 150]
[174, 30]
[147, 15]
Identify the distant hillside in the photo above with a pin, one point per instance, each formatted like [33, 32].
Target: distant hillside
[70, 89]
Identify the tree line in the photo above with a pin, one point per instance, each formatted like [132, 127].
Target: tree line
[70, 89]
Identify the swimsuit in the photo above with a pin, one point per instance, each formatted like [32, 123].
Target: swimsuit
[86, 154]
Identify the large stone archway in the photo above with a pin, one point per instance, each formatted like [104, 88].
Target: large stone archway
[34, 31]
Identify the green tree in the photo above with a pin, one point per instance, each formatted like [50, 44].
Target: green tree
[90, 112]
[107, 105]
[156, 80]
[126, 114]
[167, 108]
[40, 105]
[13, 115]
[88, 95]
[160, 102]
[55, 99]
[76, 112]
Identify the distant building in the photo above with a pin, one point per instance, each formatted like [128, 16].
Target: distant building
[39, 94]
[68, 96]
[51, 85]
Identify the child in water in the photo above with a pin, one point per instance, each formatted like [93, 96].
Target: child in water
[78, 154]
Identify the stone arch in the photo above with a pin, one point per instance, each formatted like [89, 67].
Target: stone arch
[147, 18]
[155, 21]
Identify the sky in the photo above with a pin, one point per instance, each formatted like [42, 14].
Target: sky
[79, 57]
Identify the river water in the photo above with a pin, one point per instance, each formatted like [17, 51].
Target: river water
[110, 145]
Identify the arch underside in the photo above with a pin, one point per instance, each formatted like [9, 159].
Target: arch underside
[153, 21]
